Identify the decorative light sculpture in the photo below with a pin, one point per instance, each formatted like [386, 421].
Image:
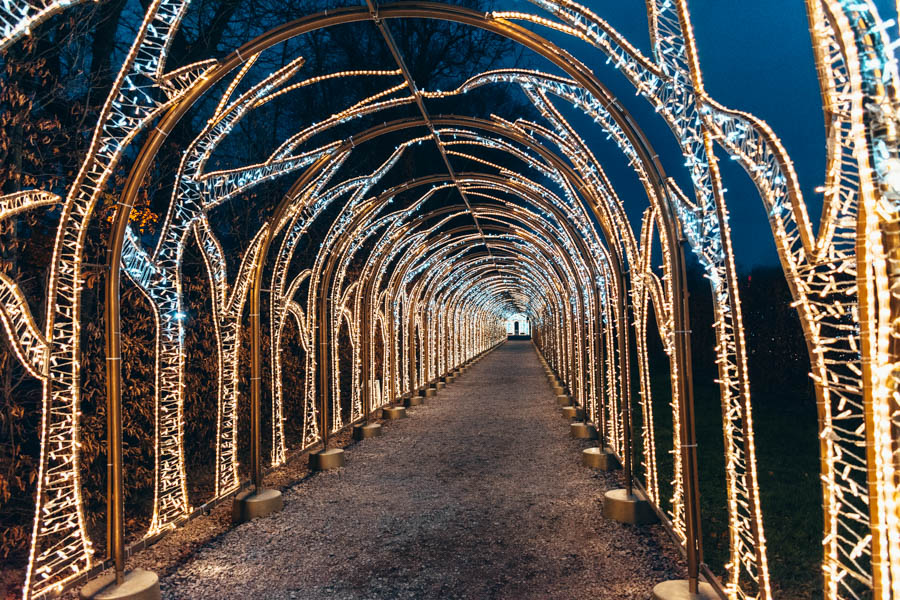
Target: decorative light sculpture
[433, 302]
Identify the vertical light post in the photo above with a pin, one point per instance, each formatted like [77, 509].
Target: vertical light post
[259, 501]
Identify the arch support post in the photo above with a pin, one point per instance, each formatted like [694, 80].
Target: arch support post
[118, 585]
[138, 584]
[599, 457]
[623, 505]
[692, 587]
[257, 502]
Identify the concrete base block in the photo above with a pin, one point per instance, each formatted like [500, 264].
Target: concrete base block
[430, 391]
[563, 399]
[633, 509]
[440, 385]
[573, 412]
[558, 389]
[326, 460]
[393, 412]
[677, 589]
[583, 431]
[600, 459]
[364, 432]
[137, 585]
[250, 505]
[414, 400]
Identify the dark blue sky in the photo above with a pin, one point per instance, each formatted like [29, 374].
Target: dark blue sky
[762, 62]
[756, 57]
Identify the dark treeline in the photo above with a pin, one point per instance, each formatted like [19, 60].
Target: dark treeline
[777, 356]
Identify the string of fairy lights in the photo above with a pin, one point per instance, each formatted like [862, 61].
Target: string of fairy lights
[418, 290]
[23, 333]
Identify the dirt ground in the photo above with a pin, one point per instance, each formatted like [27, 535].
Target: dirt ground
[479, 494]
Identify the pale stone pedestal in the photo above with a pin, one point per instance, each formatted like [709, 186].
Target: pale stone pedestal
[600, 459]
[364, 432]
[619, 506]
[391, 413]
[677, 589]
[249, 505]
[583, 431]
[326, 459]
[137, 585]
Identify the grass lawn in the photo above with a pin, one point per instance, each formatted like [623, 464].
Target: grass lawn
[788, 467]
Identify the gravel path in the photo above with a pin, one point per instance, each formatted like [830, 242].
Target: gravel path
[479, 494]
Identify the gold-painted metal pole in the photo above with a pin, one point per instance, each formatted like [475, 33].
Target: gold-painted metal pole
[624, 376]
[323, 362]
[255, 378]
[690, 477]
[115, 490]
[115, 518]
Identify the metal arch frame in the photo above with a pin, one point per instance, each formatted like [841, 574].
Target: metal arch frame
[390, 192]
[440, 211]
[362, 223]
[252, 48]
[560, 276]
[451, 208]
[454, 231]
[872, 282]
[599, 216]
[120, 213]
[496, 129]
[410, 123]
[574, 270]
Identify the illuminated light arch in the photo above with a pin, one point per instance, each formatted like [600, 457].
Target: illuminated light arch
[488, 261]
[854, 54]
[454, 133]
[423, 183]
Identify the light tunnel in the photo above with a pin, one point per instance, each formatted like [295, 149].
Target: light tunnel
[385, 279]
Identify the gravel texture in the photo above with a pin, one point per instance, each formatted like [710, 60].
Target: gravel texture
[479, 494]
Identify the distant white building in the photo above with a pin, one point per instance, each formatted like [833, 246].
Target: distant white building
[518, 325]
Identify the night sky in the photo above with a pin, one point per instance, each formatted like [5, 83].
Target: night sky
[762, 62]
[756, 56]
